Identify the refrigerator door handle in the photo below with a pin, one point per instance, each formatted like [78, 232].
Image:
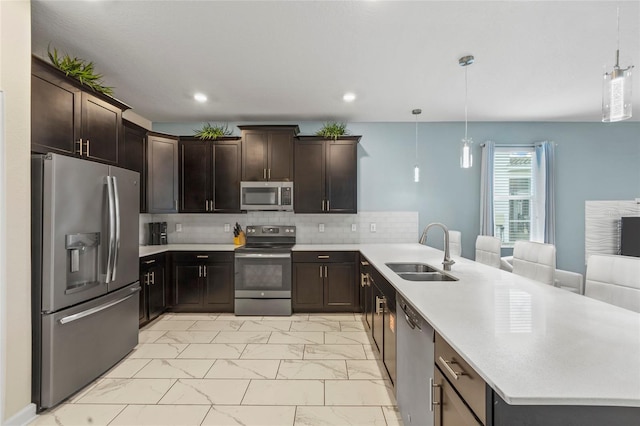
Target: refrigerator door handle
[112, 226]
[116, 248]
[97, 309]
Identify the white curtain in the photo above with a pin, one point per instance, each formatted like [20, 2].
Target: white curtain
[486, 189]
[544, 187]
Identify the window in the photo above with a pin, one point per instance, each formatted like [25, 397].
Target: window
[514, 201]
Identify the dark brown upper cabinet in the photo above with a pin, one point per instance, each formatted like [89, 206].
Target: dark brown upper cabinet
[67, 118]
[210, 175]
[326, 175]
[133, 156]
[267, 152]
[162, 173]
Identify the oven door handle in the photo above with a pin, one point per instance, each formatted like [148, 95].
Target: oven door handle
[263, 256]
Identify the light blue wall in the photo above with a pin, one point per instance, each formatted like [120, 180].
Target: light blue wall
[595, 161]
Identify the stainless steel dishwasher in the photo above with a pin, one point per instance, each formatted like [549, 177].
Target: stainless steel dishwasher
[415, 366]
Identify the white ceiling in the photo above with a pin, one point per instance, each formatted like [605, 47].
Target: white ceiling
[293, 60]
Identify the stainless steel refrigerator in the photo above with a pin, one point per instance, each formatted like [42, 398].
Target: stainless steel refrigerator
[85, 285]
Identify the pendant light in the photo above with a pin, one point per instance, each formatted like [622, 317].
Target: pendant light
[466, 156]
[416, 168]
[616, 93]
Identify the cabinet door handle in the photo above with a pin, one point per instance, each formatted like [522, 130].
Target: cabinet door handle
[446, 364]
[206, 205]
[264, 173]
[328, 205]
[269, 174]
[380, 302]
[363, 280]
[87, 146]
[432, 394]
[153, 278]
[204, 271]
[80, 150]
[146, 279]
[199, 270]
[326, 271]
[175, 204]
[323, 204]
[320, 267]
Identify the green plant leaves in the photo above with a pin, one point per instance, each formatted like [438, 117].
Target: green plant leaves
[333, 130]
[209, 132]
[79, 69]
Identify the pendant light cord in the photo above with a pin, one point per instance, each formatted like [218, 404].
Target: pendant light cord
[466, 89]
[416, 137]
[618, 39]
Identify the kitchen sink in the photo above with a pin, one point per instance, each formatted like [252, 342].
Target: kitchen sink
[425, 276]
[410, 267]
[419, 272]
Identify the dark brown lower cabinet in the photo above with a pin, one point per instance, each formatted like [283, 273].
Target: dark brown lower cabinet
[202, 282]
[325, 282]
[153, 283]
[382, 317]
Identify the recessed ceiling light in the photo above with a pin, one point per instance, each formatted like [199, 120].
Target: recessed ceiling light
[349, 97]
[200, 97]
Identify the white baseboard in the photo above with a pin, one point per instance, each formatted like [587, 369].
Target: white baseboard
[22, 417]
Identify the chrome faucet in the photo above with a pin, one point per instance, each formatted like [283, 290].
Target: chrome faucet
[447, 262]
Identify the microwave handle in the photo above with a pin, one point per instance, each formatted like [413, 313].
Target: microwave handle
[279, 196]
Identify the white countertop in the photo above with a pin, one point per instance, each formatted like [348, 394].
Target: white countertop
[532, 343]
[149, 250]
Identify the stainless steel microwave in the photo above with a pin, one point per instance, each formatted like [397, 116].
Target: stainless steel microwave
[266, 196]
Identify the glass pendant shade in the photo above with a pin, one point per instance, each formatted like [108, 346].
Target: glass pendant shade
[416, 168]
[466, 155]
[416, 173]
[616, 95]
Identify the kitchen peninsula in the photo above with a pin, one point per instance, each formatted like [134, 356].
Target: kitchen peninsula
[534, 345]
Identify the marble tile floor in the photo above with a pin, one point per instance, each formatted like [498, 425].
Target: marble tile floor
[209, 369]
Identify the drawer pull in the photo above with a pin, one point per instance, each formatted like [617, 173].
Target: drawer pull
[364, 263]
[456, 374]
[323, 257]
[149, 262]
[202, 256]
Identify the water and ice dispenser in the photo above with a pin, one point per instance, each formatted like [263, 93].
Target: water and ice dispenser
[82, 260]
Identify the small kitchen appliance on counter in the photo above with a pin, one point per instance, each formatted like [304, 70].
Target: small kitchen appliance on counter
[157, 233]
[263, 271]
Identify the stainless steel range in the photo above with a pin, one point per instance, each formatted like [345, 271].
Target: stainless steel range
[263, 271]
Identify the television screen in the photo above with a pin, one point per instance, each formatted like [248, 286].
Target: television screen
[630, 236]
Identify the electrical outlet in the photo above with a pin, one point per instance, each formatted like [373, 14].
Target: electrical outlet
[372, 227]
[178, 227]
[321, 227]
[227, 227]
[353, 227]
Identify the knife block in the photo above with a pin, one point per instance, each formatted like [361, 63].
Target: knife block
[240, 240]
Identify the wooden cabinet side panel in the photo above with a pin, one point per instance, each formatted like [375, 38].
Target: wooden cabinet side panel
[218, 289]
[55, 117]
[341, 176]
[254, 155]
[133, 153]
[162, 182]
[340, 286]
[280, 156]
[156, 291]
[309, 177]
[194, 176]
[187, 286]
[308, 287]
[226, 176]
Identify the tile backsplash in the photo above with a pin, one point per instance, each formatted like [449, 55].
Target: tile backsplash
[390, 227]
